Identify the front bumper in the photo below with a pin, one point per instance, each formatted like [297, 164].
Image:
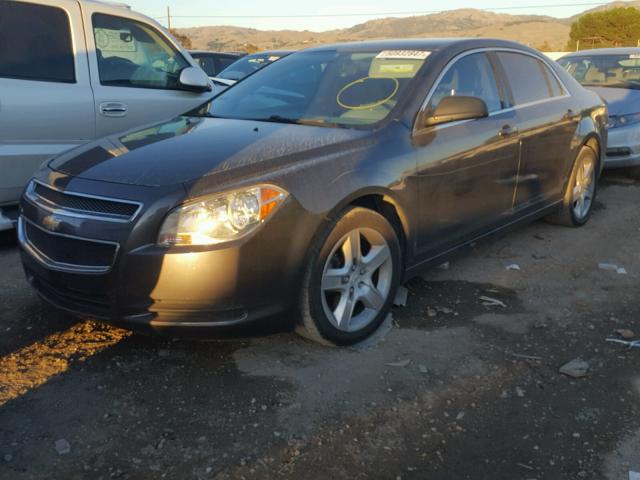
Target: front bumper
[185, 292]
[623, 149]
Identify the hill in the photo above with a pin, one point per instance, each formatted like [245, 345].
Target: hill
[537, 31]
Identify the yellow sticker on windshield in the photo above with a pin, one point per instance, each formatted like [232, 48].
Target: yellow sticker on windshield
[404, 54]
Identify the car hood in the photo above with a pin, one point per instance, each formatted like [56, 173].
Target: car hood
[189, 148]
[621, 101]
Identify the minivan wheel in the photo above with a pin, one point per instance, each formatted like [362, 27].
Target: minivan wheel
[580, 195]
[351, 280]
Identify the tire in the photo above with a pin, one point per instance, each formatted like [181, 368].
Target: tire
[333, 284]
[580, 194]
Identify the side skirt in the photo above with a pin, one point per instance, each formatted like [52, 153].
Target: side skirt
[423, 265]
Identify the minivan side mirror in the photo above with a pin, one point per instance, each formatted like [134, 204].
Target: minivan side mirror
[455, 108]
[194, 80]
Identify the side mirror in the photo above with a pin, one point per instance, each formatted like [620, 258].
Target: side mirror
[194, 80]
[456, 108]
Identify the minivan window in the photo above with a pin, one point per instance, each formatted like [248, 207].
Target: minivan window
[133, 54]
[35, 43]
[530, 79]
[471, 76]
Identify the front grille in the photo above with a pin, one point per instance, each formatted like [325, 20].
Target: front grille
[70, 251]
[86, 205]
[79, 301]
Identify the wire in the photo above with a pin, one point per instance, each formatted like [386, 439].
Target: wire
[379, 14]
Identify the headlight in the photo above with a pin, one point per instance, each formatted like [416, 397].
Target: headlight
[220, 218]
[616, 121]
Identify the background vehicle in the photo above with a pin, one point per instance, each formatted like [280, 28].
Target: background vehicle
[613, 73]
[313, 186]
[213, 62]
[247, 65]
[72, 71]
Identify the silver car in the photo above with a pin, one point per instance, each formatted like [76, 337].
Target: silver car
[72, 71]
[613, 73]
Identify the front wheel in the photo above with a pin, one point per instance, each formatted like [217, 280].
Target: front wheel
[351, 280]
[580, 195]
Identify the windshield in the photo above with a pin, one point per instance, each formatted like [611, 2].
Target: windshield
[246, 65]
[605, 70]
[326, 88]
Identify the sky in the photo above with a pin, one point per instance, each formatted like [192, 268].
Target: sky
[332, 14]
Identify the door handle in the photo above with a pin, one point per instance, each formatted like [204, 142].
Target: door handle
[507, 131]
[113, 109]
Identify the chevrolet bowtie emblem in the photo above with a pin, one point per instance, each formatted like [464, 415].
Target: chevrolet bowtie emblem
[51, 222]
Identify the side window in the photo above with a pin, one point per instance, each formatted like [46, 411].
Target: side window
[35, 43]
[133, 54]
[207, 63]
[471, 76]
[529, 78]
[554, 84]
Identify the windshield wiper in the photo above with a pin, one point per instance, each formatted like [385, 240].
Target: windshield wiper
[277, 119]
[298, 121]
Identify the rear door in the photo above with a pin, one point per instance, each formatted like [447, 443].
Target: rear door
[135, 69]
[46, 103]
[547, 126]
[466, 169]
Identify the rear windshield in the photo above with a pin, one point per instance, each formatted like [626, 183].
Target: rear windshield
[326, 88]
[604, 70]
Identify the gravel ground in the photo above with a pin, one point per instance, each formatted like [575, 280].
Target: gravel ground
[455, 387]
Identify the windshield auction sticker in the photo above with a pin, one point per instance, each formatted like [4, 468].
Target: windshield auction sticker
[404, 54]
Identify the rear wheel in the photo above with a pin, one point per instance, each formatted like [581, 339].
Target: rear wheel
[353, 276]
[580, 195]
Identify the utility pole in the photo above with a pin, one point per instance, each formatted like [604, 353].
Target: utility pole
[169, 17]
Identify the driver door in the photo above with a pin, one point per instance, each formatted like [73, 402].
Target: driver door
[467, 170]
[134, 73]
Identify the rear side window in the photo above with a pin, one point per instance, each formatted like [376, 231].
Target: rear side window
[35, 43]
[471, 76]
[530, 79]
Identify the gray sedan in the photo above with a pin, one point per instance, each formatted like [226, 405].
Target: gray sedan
[613, 73]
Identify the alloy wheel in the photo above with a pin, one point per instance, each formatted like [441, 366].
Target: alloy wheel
[357, 279]
[585, 186]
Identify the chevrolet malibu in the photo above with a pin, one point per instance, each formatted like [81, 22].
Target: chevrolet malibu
[313, 188]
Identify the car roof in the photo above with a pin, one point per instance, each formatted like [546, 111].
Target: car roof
[109, 3]
[430, 44]
[605, 51]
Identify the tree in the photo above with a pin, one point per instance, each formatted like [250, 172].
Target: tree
[608, 28]
[183, 39]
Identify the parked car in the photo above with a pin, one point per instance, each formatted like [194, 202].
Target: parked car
[72, 71]
[613, 73]
[313, 187]
[213, 62]
[247, 65]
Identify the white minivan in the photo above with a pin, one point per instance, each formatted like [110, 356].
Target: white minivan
[75, 70]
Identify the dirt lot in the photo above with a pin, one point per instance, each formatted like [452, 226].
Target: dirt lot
[445, 392]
